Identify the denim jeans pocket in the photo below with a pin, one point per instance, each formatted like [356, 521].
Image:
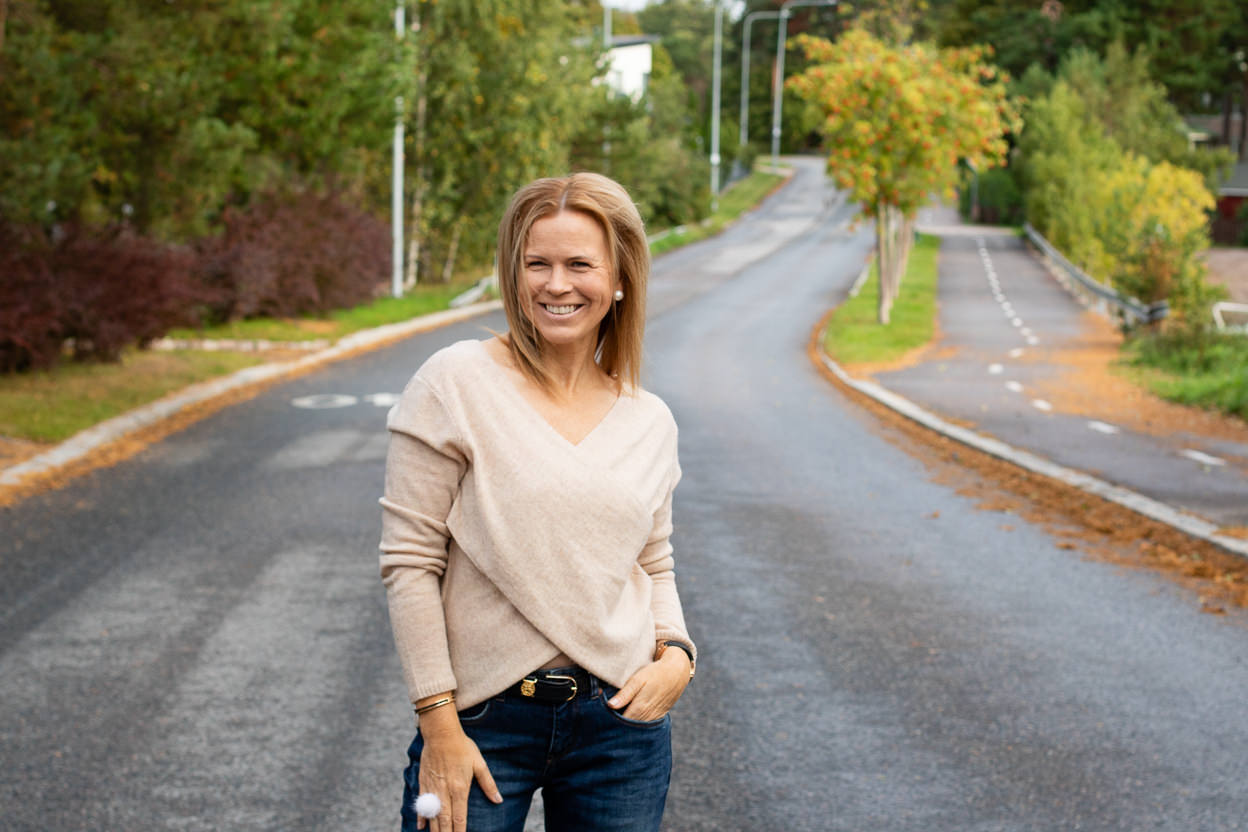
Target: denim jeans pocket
[607, 692]
[474, 713]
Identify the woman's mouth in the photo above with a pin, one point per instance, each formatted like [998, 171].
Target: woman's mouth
[560, 310]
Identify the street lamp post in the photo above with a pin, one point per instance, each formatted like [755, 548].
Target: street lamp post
[777, 89]
[743, 137]
[719, 27]
[396, 185]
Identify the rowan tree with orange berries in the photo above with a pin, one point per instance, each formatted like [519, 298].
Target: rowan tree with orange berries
[898, 119]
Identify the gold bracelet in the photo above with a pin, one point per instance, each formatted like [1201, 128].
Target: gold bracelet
[446, 700]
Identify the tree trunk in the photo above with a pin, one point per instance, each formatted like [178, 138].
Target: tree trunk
[448, 269]
[881, 265]
[418, 190]
[4, 19]
[1243, 121]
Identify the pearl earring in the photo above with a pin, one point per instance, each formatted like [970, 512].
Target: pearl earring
[619, 294]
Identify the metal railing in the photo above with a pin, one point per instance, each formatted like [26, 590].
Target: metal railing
[1107, 301]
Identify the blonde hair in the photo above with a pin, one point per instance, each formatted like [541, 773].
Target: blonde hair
[607, 203]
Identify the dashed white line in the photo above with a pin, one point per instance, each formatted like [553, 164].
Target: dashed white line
[324, 401]
[1016, 321]
[1017, 352]
[1014, 387]
[1041, 404]
[1103, 427]
[996, 369]
[1202, 457]
[1032, 340]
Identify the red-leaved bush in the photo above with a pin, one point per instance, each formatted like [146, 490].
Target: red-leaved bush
[283, 257]
[98, 290]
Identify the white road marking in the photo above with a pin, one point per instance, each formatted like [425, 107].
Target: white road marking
[1103, 427]
[1032, 340]
[382, 399]
[1014, 387]
[324, 401]
[1201, 457]
[1041, 404]
[1017, 352]
[1025, 331]
[996, 369]
[1016, 321]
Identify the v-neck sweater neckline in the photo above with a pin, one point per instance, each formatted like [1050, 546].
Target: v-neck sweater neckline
[504, 375]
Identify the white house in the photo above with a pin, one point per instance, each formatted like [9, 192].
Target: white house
[628, 65]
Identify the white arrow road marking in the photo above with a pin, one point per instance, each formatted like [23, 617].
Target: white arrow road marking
[1201, 457]
[382, 399]
[1041, 404]
[1103, 427]
[324, 401]
[1014, 387]
[996, 369]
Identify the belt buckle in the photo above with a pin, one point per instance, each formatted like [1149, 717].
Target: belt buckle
[528, 687]
[571, 679]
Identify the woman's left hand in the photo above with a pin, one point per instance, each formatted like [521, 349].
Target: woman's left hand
[653, 690]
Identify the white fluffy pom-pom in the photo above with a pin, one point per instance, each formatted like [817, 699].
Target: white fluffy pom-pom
[428, 805]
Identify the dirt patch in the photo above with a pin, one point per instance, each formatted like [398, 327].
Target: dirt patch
[1079, 521]
[1229, 267]
[1087, 383]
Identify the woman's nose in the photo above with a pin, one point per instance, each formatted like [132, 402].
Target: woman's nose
[558, 280]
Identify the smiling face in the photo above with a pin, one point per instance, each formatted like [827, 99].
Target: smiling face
[566, 272]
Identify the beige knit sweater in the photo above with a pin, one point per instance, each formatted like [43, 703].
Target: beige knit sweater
[504, 545]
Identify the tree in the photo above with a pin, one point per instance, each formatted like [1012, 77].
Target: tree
[505, 89]
[897, 122]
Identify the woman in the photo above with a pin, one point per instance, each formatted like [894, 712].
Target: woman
[525, 545]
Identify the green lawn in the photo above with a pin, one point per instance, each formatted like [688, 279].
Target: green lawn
[1210, 372]
[854, 336]
[48, 406]
[421, 300]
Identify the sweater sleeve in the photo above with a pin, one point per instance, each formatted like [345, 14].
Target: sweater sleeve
[424, 465]
[656, 559]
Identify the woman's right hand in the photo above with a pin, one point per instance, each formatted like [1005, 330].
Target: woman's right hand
[449, 762]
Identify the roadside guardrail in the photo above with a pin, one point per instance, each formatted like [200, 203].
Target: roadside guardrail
[1102, 298]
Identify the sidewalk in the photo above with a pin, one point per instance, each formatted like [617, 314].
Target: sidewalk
[1020, 361]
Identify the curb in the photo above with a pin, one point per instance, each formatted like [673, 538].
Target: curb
[1190, 524]
[87, 442]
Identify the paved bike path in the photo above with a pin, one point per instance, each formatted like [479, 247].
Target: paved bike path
[1005, 323]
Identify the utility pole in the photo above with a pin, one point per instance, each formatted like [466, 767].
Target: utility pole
[743, 138]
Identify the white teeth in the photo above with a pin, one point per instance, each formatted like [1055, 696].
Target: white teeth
[560, 310]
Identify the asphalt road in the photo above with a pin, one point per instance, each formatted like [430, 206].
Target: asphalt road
[196, 639]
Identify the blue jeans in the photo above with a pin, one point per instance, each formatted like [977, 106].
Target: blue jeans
[597, 770]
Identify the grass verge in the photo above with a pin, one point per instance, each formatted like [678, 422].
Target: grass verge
[420, 300]
[735, 201]
[855, 337]
[1209, 372]
[48, 406]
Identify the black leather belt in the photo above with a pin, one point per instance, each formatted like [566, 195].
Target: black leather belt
[553, 686]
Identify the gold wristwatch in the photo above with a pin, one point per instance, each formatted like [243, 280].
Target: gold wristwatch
[662, 648]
